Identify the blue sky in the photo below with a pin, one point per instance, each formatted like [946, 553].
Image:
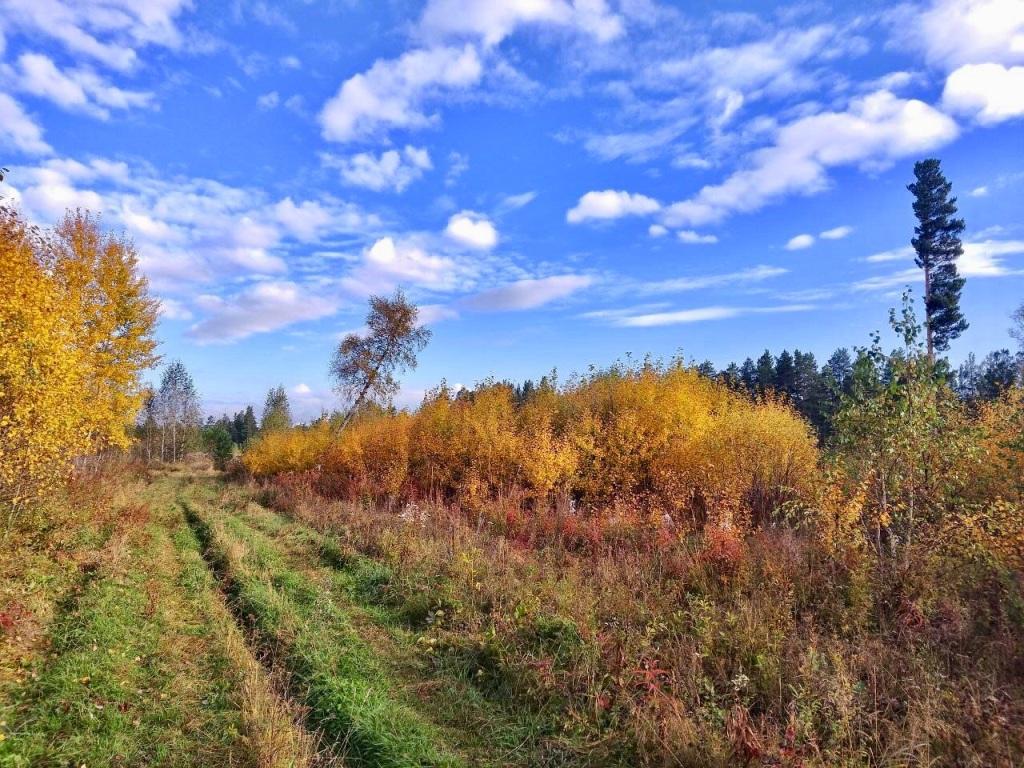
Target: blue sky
[558, 183]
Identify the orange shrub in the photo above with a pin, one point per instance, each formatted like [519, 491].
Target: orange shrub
[630, 441]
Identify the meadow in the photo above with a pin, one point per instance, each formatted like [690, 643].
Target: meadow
[649, 564]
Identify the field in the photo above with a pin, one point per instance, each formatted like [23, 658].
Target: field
[180, 618]
[653, 563]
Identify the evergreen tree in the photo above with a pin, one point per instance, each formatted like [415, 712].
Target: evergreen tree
[967, 378]
[707, 369]
[765, 371]
[998, 373]
[732, 376]
[785, 374]
[277, 413]
[249, 426]
[937, 244]
[219, 444]
[748, 375]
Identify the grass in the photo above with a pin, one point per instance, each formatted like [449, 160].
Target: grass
[349, 695]
[490, 727]
[141, 665]
[182, 623]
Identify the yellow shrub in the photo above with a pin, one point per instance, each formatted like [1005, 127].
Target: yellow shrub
[670, 438]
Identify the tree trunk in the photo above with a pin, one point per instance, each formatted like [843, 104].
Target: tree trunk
[927, 313]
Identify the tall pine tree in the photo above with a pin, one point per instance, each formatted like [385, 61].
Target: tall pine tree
[937, 244]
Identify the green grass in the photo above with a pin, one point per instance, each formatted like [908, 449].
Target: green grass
[350, 696]
[477, 716]
[131, 676]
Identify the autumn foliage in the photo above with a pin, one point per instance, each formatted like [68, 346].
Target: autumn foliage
[661, 444]
[77, 328]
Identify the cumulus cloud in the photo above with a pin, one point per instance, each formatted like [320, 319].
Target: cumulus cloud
[473, 230]
[261, 308]
[957, 32]
[981, 191]
[836, 233]
[872, 132]
[610, 204]
[392, 169]
[799, 242]
[528, 294]
[390, 262]
[657, 230]
[393, 93]
[491, 22]
[18, 130]
[990, 93]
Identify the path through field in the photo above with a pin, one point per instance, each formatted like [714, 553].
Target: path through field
[208, 630]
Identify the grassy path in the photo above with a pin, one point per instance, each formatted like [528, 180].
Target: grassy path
[144, 666]
[370, 682]
[206, 630]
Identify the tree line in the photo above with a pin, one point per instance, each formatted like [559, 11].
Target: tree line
[170, 424]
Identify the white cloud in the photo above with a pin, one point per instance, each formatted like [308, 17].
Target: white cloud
[656, 230]
[979, 192]
[473, 230]
[393, 92]
[18, 130]
[528, 294]
[306, 220]
[76, 90]
[302, 389]
[701, 314]
[268, 100]
[896, 254]
[431, 314]
[610, 204]
[958, 32]
[982, 258]
[515, 202]
[458, 164]
[390, 262]
[872, 132]
[836, 233]
[173, 309]
[991, 93]
[107, 31]
[291, 62]
[187, 230]
[799, 242]
[766, 65]
[491, 22]
[690, 237]
[261, 308]
[392, 169]
[679, 284]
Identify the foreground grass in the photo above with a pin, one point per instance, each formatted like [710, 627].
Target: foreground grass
[140, 664]
[348, 692]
